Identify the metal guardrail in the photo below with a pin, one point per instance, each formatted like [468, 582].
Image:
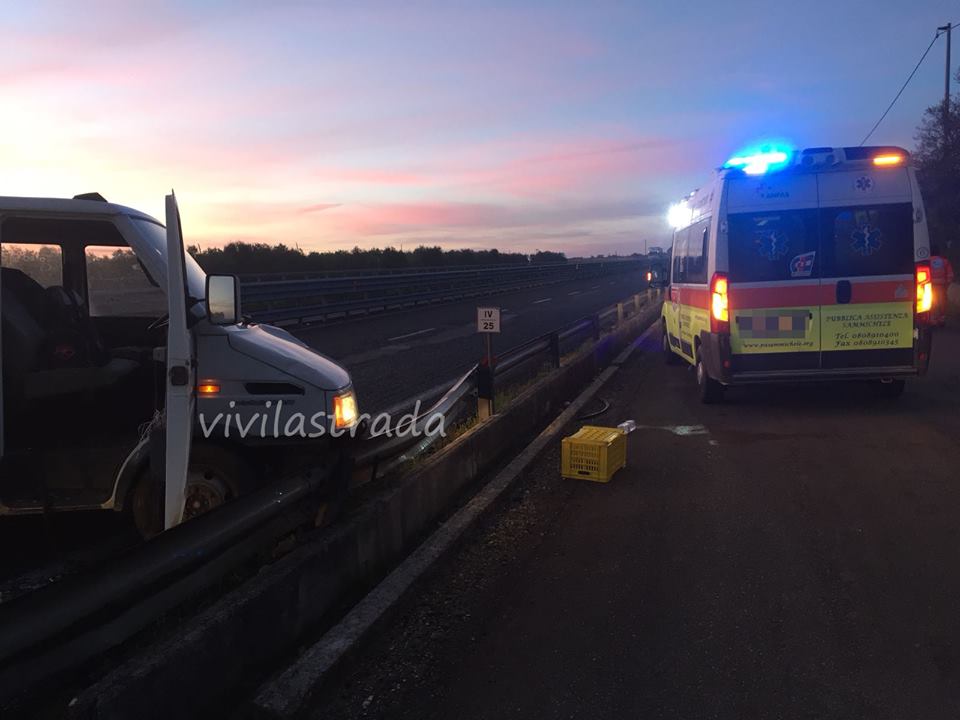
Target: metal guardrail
[60, 626]
[302, 300]
[546, 347]
[255, 277]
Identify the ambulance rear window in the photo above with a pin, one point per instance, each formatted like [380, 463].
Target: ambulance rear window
[870, 240]
[770, 246]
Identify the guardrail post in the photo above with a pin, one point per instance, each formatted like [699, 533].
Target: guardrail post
[555, 349]
[636, 301]
[596, 326]
[619, 313]
[485, 390]
[649, 294]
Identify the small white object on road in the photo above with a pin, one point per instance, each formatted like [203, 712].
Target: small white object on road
[541, 300]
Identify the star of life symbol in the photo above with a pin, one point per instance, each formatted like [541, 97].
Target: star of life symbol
[866, 240]
[772, 245]
[864, 183]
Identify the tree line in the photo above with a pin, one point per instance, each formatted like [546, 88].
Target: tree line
[937, 159]
[253, 258]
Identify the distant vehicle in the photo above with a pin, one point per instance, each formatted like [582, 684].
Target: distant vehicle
[655, 251]
[114, 362]
[802, 265]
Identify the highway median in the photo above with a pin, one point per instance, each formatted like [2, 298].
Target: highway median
[235, 642]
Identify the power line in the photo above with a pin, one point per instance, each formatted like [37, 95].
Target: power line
[902, 88]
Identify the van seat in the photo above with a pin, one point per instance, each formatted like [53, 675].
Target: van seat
[67, 381]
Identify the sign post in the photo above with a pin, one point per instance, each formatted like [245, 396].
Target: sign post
[488, 323]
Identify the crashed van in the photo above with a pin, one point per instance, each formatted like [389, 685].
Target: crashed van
[131, 380]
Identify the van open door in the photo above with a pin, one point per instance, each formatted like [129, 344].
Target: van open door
[180, 400]
[1, 364]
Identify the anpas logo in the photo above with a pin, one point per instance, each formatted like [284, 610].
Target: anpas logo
[768, 192]
[802, 265]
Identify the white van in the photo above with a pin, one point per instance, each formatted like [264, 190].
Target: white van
[802, 265]
[115, 361]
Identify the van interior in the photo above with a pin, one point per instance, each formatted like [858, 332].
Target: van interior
[80, 320]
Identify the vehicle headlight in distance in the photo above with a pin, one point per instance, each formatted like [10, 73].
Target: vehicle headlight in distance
[344, 409]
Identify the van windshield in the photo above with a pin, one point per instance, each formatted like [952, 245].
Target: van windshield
[768, 246]
[156, 235]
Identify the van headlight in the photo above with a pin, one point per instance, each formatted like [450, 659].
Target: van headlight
[344, 409]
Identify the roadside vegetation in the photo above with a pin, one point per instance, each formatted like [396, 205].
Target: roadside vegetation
[246, 258]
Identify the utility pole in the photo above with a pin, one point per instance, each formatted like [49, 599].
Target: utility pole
[946, 87]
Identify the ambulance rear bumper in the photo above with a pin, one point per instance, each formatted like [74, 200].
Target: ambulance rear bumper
[718, 359]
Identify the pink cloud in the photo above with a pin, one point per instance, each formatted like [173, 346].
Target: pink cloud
[398, 218]
[370, 176]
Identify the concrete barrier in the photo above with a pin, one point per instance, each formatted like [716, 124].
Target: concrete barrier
[199, 669]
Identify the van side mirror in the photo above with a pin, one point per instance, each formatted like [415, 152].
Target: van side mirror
[223, 299]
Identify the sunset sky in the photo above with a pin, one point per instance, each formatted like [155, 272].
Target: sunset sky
[553, 125]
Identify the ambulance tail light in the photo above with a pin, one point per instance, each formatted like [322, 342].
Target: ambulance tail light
[719, 305]
[924, 291]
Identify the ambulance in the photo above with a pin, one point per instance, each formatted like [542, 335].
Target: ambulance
[797, 265]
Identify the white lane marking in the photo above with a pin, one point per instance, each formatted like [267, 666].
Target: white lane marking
[542, 300]
[594, 287]
[410, 335]
[575, 292]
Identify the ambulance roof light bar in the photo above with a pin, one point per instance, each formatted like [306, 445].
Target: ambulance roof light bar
[776, 156]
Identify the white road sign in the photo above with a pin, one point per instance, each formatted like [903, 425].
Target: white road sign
[488, 319]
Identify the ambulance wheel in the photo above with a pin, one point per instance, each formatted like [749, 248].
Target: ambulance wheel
[892, 389]
[669, 356]
[710, 390]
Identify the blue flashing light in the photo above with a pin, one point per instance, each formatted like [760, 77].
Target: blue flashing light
[764, 160]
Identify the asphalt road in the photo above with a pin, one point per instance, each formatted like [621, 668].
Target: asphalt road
[395, 356]
[792, 553]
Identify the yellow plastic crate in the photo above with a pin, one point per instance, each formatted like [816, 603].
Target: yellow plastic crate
[593, 453]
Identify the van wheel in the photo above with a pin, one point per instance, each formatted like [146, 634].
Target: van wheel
[710, 390]
[669, 356]
[215, 476]
[892, 389]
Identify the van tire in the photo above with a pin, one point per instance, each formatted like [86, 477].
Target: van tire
[709, 390]
[669, 356]
[215, 476]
